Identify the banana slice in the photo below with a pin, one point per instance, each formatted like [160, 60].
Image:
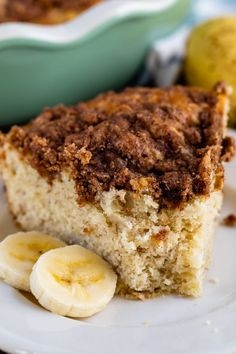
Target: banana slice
[19, 252]
[72, 281]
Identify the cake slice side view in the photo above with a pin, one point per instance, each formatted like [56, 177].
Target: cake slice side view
[134, 176]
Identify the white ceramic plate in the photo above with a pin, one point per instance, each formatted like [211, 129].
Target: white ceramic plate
[164, 325]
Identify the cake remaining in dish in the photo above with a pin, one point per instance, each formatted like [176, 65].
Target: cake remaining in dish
[42, 11]
[134, 176]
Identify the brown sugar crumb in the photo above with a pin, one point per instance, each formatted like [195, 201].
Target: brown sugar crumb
[160, 236]
[230, 220]
[168, 143]
[228, 149]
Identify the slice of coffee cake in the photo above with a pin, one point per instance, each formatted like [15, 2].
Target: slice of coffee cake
[134, 176]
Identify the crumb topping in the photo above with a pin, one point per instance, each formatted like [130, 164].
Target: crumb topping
[230, 220]
[168, 143]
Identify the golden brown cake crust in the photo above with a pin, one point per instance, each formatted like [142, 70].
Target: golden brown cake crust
[167, 143]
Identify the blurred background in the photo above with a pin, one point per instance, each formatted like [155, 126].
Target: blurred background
[54, 52]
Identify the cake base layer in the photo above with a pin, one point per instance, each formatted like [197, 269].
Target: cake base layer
[153, 249]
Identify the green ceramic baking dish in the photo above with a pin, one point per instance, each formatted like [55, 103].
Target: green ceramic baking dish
[99, 50]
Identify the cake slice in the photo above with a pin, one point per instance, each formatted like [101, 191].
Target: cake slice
[135, 176]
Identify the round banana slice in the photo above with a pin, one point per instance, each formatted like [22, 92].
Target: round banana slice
[19, 252]
[72, 281]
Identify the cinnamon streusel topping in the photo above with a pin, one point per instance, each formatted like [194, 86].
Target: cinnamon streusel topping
[168, 143]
